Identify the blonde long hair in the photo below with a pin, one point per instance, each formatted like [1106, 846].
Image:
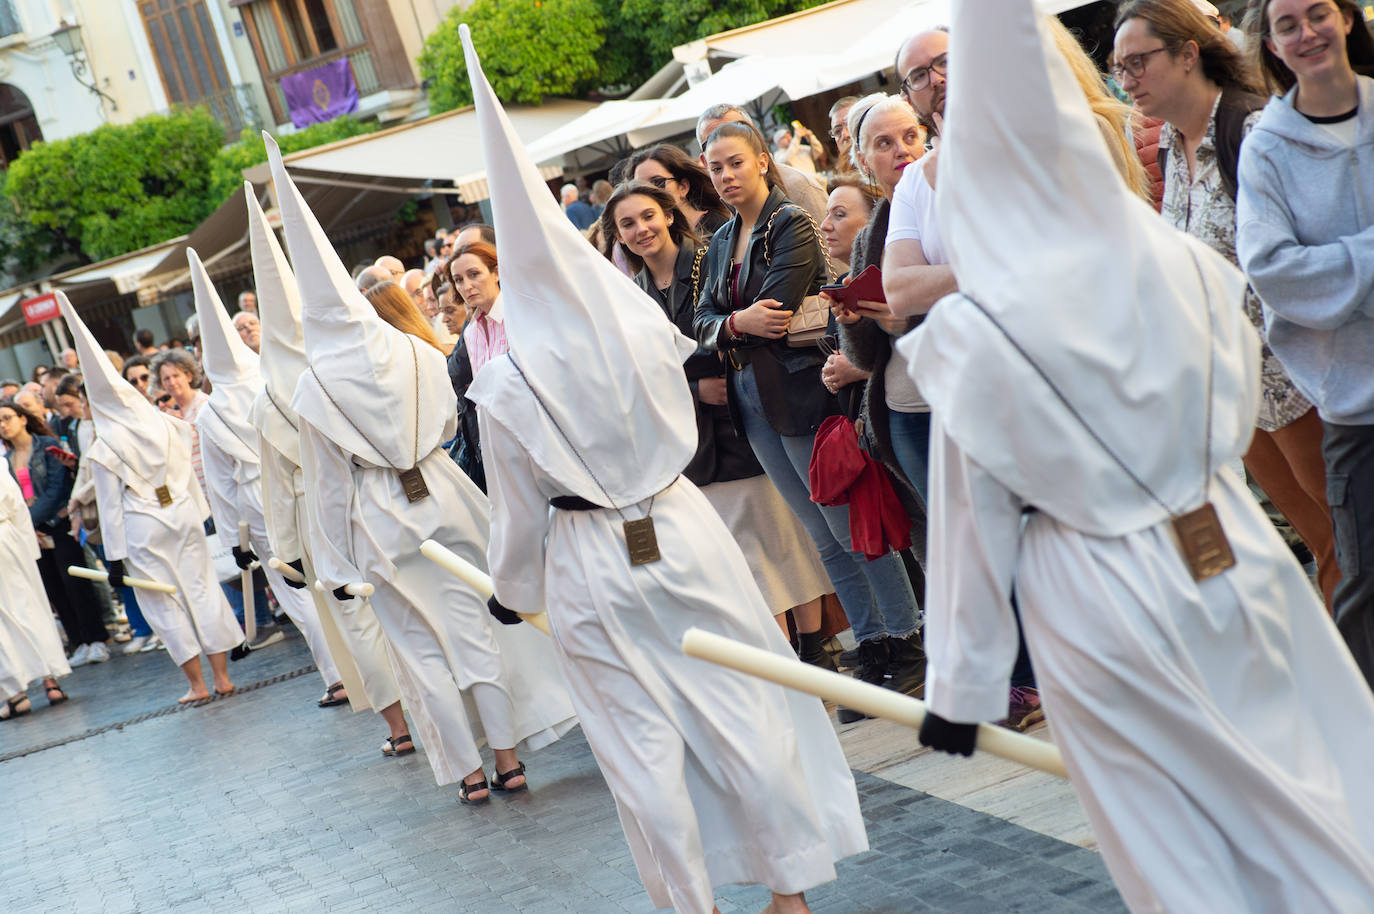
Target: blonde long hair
[395, 306]
[1111, 111]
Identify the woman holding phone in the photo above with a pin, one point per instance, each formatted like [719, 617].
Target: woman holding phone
[758, 268]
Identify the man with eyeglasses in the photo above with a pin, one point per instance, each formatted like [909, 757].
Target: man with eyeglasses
[916, 270]
[137, 373]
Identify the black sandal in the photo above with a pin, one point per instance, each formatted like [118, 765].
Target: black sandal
[329, 701]
[499, 779]
[61, 695]
[464, 788]
[389, 747]
[12, 706]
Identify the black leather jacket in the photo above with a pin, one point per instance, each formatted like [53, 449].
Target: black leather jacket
[794, 400]
[723, 454]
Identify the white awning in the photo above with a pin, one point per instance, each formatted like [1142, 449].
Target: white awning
[125, 271]
[443, 148]
[599, 131]
[829, 46]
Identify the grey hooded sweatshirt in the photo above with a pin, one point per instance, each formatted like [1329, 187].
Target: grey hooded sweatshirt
[1305, 236]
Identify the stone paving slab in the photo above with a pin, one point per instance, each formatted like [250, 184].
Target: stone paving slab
[262, 802]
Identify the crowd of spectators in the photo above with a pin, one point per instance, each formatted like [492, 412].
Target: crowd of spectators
[734, 238]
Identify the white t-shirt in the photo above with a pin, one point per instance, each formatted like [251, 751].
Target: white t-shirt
[911, 218]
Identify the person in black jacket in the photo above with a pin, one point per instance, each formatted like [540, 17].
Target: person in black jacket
[47, 487]
[759, 268]
[662, 249]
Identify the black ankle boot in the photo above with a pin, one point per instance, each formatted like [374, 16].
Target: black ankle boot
[907, 665]
[812, 650]
[872, 669]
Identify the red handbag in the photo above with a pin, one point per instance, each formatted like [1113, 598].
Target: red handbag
[840, 473]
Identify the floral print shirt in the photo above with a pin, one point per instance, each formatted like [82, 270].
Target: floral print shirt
[1201, 208]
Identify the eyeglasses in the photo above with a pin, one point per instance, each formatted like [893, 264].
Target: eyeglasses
[829, 344]
[919, 78]
[164, 399]
[1134, 65]
[660, 181]
[1289, 30]
[140, 378]
[837, 133]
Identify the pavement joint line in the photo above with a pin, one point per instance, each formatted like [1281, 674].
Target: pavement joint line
[160, 712]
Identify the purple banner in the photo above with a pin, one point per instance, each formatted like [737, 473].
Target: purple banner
[322, 94]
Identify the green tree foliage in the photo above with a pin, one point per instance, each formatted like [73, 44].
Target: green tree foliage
[249, 150]
[531, 49]
[110, 191]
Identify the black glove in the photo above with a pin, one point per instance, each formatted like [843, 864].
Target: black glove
[116, 571]
[243, 558]
[340, 594]
[940, 734]
[300, 569]
[502, 614]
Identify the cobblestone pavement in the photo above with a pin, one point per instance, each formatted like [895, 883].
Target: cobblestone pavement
[262, 802]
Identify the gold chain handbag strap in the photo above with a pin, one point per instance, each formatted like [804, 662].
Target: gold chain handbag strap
[815, 229]
[696, 273]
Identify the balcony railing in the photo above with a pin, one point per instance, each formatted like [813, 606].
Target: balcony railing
[359, 58]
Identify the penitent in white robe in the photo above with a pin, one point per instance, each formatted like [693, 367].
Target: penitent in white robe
[30, 647]
[167, 544]
[235, 489]
[719, 778]
[451, 658]
[359, 649]
[1218, 733]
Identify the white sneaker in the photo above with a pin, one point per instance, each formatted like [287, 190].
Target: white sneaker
[136, 645]
[99, 653]
[81, 656]
[152, 644]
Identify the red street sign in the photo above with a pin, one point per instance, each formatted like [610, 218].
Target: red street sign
[40, 309]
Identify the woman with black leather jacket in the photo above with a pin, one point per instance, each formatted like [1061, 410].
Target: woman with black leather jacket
[47, 487]
[662, 249]
[758, 269]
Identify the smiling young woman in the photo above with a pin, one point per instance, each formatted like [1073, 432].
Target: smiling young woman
[669, 266]
[1302, 237]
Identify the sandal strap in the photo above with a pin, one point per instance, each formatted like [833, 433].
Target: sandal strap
[397, 740]
[501, 777]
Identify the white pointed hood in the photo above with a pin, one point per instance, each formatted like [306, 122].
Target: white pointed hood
[133, 437]
[1115, 306]
[598, 351]
[371, 389]
[282, 348]
[233, 372]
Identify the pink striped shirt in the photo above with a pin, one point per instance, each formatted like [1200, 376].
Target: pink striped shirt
[485, 336]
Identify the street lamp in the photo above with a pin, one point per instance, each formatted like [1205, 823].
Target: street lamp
[67, 37]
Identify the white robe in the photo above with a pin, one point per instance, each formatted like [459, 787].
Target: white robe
[1218, 733]
[718, 777]
[235, 489]
[30, 647]
[168, 544]
[360, 651]
[446, 648]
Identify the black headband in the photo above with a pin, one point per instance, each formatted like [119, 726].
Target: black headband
[859, 128]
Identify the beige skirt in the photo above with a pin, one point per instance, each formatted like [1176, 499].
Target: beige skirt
[777, 547]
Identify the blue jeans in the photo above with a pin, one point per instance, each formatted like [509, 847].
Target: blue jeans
[261, 613]
[910, 433]
[877, 595]
[138, 625]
